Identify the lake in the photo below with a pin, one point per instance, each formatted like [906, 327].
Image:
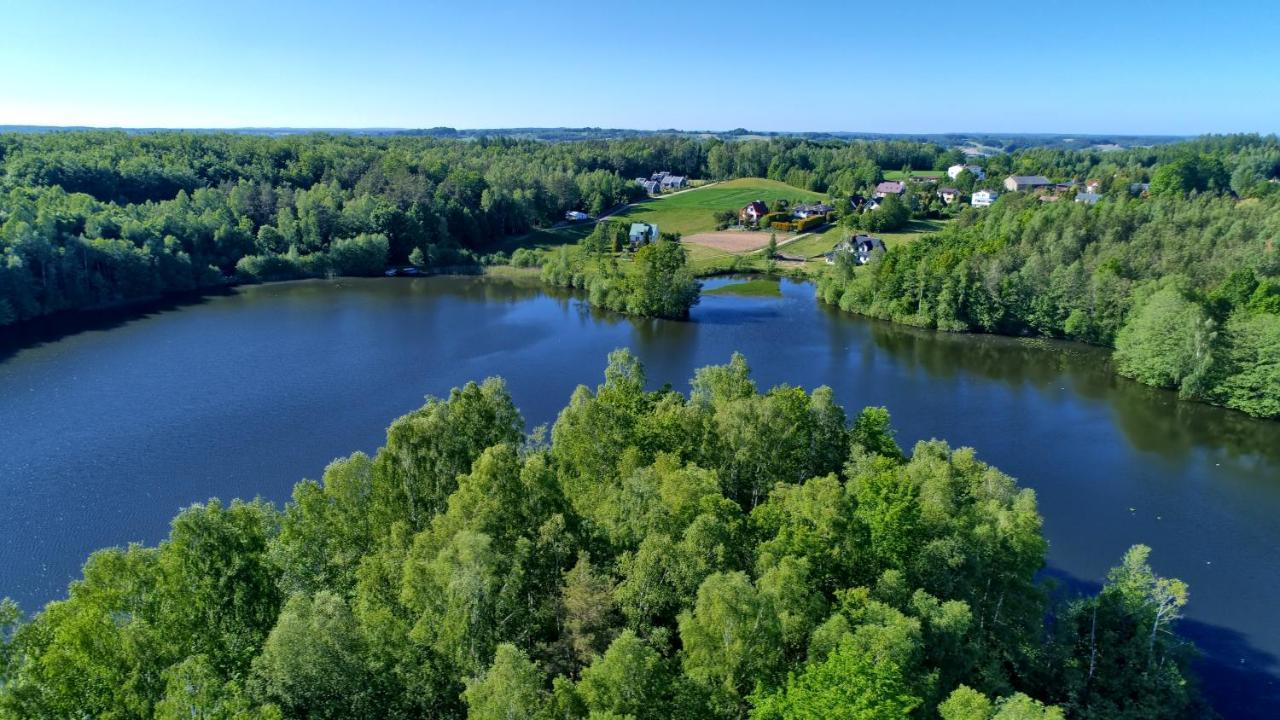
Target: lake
[111, 426]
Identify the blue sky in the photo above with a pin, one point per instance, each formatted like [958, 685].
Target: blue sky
[1175, 67]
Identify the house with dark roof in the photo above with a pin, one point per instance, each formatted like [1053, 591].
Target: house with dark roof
[949, 194]
[657, 182]
[890, 187]
[752, 213]
[809, 210]
[861, 247]
[673, 182]
[1020, 183]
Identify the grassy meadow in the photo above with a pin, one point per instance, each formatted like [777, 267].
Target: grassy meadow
[693, 211]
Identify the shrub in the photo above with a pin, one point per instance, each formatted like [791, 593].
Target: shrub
[526, 258]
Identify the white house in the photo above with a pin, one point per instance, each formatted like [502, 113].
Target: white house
[954, 171]
[576, 216]
[984, 198]
[642, 234]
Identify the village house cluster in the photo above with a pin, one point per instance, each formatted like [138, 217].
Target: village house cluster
[661, 182]
[750, 214]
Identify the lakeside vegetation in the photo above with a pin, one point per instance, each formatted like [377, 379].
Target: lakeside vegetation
[729, 553]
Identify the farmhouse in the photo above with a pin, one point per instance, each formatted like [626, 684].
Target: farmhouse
[673, 182]
[811, 210]
[890, 187]
[949, 194]
[954, 171]
[642, 234]
[984, 198]
[660, 181]
[752, 213]
[1019, 183]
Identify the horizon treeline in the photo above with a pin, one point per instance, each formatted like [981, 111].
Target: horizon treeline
[727, 554]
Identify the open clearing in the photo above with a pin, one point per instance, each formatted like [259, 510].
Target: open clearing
[687, 212]
[733, 241]
[692, 212]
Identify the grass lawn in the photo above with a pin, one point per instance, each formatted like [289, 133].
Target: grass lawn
[692, 212]
[814, 246]
[546, 239]
[899, 175]
[761, 287]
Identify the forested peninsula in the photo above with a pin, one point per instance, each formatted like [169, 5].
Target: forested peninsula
[728, 554]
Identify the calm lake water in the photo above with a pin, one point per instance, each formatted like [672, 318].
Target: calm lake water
[108, 430]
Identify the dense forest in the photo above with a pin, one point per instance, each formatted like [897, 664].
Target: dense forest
[728, 554]
[1185, 285]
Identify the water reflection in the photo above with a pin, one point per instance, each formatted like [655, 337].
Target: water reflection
[1153, 420]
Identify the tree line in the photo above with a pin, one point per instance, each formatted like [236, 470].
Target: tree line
[729, 553]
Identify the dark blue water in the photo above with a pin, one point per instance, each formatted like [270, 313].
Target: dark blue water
[106, 430]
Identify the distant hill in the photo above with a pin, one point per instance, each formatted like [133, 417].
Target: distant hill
[985, 143]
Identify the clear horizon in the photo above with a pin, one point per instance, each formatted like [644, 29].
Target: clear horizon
[1175, 68]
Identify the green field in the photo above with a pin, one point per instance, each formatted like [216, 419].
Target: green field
[814, 247]
[693, 211]
[686, 212]
[547, 239]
